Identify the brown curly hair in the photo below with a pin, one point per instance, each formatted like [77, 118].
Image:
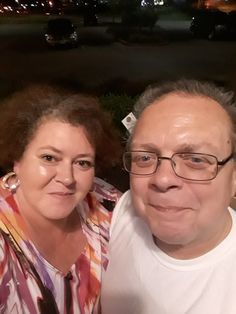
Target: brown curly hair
[24, 111]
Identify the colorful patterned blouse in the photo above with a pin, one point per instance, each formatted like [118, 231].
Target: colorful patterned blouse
[29, 284]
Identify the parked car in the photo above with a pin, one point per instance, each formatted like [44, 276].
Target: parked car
[232, 22]
[61, 32]
[212, 23]
[90, 18]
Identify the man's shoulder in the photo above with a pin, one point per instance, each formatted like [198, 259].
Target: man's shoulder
[124, 216]
[124, 206]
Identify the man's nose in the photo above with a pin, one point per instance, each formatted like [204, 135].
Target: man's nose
[165, 178]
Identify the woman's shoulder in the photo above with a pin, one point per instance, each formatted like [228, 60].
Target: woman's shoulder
[106, 194]
[96, 209]
[5, 251]
[2, 246]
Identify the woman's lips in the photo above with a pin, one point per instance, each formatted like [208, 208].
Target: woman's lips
[61, 194]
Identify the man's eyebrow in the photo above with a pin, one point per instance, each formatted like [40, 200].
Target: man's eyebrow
[188, 148]
[193, 148]
[185, 147]
[146, 146]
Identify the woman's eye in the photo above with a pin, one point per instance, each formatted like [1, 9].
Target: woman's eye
[48, 158]
[84, 164]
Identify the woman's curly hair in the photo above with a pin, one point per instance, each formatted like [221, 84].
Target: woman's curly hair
[24, 111]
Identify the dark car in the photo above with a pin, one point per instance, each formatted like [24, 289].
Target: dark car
[61, 32]
[212, 23]
[90, 19]
[232, 22]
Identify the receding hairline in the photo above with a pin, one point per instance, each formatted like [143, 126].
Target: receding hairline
[184, 94]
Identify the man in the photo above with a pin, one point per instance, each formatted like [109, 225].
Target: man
[173, 238]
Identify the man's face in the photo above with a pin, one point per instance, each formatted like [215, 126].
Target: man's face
[183, 213]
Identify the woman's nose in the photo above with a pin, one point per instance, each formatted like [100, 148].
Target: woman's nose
[65, 174]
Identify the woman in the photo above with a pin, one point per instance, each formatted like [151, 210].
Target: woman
[54, 217]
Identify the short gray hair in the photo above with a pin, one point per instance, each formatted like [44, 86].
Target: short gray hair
[225, 98]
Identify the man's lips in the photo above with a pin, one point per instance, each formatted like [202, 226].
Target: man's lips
[169, 208]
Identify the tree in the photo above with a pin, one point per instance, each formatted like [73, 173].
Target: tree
[115, 8]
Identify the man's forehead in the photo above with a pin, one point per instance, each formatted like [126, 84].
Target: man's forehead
[188, 124]
[183, 106]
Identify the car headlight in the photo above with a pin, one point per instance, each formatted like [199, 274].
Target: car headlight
[48, 37]
[74, 36]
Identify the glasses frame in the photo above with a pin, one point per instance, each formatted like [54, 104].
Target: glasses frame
[219, 163]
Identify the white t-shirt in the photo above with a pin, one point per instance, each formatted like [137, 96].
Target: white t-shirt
[141, 279]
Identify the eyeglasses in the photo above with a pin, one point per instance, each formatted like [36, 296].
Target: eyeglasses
[189, 166]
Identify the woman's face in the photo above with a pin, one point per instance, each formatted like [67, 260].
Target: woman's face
[56, 171]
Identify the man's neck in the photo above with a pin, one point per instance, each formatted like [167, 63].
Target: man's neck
[198, 247]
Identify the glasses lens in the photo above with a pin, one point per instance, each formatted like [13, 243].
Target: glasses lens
[195, 166]
[140, 162]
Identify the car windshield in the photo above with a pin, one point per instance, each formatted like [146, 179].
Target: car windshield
[60, 25]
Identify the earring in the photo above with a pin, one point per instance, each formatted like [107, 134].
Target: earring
[10, 187]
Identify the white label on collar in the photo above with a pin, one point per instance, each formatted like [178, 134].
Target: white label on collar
[129, 121]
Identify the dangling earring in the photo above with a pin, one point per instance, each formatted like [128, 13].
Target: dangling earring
[10, 187]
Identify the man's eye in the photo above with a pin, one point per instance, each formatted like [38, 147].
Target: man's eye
[197, 160]
[144, 158]
[139, 158]
[84, 164]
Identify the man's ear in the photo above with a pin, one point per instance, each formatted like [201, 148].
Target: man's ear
[234, 180]
[233, 201]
